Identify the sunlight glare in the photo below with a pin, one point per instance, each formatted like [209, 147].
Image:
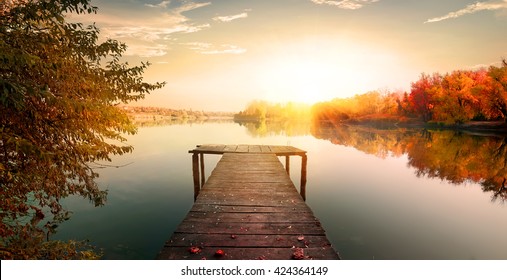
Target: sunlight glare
[301, 79]
[320, 71]
[298, 80]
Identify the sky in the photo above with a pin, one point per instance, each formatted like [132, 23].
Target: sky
[218, 55]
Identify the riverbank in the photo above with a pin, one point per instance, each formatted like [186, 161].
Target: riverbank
[155, 116]
[388, 122]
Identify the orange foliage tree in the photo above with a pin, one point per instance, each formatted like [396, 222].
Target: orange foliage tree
[461, 96]
[453, 98]
[496, 92]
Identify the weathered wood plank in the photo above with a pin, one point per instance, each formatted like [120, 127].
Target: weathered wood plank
[254, 149]
[259, 178]
[259, 194]
[242, 149]
[200, 207]
[270, 149]
[249, 201]
[281, 217]
[230, 148]
[208, 253]
[251, 228]
[216, 183]
[248, 240]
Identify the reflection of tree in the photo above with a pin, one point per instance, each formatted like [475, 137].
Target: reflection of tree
[379, 142]
[450, 155]
[147, 122]
[497, 167]
[288, 127]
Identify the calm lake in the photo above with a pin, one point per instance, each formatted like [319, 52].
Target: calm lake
[380, 194]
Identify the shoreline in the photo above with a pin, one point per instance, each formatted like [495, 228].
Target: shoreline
[498, 128]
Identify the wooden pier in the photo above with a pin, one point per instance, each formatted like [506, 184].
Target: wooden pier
[248, 209]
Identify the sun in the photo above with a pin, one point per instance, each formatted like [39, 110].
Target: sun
[303, 80]
[310, 72]
[299, 81]
[315, 71]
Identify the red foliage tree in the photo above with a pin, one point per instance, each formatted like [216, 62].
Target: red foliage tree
[421, 97]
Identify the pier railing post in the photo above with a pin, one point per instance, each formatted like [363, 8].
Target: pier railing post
[304, 161]
[195, 173]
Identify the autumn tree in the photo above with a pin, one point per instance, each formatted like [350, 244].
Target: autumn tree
[461, 96]
[455, 101]
[60, 91]
[496, 99]
[422, 94]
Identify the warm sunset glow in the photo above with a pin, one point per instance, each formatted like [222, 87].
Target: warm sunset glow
[314, 70]
[296, 80]
[219, 55]
[197, 129]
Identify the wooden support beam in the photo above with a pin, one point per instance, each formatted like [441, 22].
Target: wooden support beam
[304, 161]
[287, 164]
[203, 175]
[195, 173]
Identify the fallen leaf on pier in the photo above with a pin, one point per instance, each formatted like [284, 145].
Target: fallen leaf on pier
[219, 253]
[298, 254]
[194, 250]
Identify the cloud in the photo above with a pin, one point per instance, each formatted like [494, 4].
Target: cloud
[485, 66]
[345, 4]
[147, 50]
[471, 9]
[147, 32]
[230, 18]
[188, 6]
[207, 48]
[150, 34]
[163, 4]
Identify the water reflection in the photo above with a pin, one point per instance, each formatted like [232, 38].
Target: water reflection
[448, 155]
[370, 207]
[154, 121]
[276, 128]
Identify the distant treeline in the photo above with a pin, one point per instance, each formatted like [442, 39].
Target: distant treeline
[156, 114]
[262, 110]
[453, 98]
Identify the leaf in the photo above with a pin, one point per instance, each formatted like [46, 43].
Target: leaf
[194, 250]
[298, 254]
[219, 253]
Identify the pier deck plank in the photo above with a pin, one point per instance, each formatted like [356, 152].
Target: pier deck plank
[250, 209]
